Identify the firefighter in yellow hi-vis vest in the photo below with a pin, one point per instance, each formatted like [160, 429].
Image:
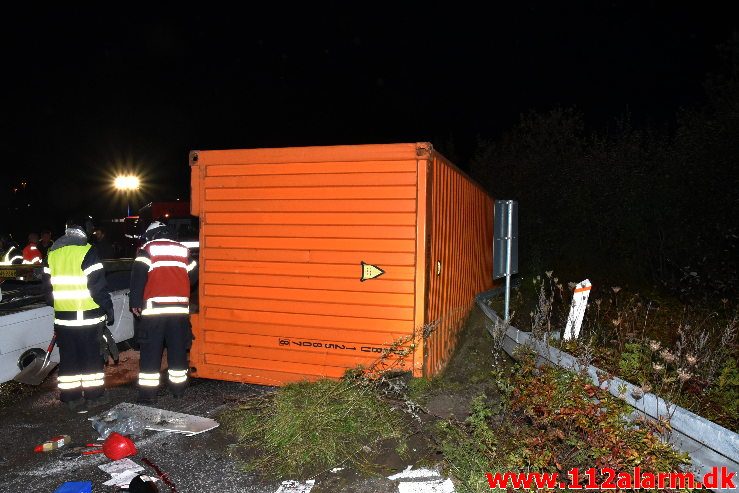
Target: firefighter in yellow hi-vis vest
[75, 280]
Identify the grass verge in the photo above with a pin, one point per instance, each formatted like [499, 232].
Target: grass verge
[685, 353]
[304, 429]
[549, 419]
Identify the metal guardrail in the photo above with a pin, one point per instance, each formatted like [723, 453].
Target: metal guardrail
[708, 444]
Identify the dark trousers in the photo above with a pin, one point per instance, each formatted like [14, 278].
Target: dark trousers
[80, 364]
[155, 333]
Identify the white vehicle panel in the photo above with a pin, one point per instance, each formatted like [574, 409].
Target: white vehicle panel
[27, 328]
[21, 331]
[32, 327]
[122, 329]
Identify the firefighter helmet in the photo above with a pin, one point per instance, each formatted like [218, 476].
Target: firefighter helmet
[156, 230]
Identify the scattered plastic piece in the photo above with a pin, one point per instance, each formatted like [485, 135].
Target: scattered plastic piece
[53, 443]
[409, 473]
[296, 486]
[155, 419]
[118, 421]
[75, 487]
[120, 466]
[422, 481]
[337, 469]
[122, 480]
[433, 486]
[125, 479]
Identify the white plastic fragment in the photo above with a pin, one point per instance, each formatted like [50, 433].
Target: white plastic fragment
[291, 486]
[122, 480]
[422, 481]
[409, 473]
[120, 466]
[123, 472]
[434, 486]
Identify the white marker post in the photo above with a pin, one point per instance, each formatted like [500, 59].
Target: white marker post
[577, 310]
[509, 236]
[505, 246]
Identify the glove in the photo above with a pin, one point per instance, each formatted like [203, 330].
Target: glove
[107, 345]
[109, 319]
[110, 345]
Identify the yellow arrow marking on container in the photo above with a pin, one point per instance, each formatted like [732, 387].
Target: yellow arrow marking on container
[370, 271]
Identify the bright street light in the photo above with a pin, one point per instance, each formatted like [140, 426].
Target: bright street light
[128, 182]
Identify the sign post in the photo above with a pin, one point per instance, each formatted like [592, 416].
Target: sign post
[506, 246]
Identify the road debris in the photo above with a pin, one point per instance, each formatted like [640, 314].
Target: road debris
[156, 419]
[122, 471]
[422, 481]
[296, 486]
[118, 421]
[75, 487]
[115, 447]
[143, 484]
[54, 443]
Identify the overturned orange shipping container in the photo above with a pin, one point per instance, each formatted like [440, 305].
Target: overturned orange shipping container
[315, 260]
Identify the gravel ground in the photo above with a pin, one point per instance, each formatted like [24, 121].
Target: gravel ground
[195, 464]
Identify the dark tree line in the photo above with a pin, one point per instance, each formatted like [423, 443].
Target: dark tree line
[628, 204]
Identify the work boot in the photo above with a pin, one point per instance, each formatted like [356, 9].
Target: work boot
[103, 400]
[76, 406]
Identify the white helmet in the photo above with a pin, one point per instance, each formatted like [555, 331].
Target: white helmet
[156, 229]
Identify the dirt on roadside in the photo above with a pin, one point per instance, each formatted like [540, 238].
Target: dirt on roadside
[446, 397]
[468, 374]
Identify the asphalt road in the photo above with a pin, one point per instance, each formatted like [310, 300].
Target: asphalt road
[195, 464]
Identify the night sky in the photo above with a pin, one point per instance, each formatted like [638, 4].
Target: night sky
[93, 89]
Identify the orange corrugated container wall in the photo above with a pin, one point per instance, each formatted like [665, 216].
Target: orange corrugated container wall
[315, 260]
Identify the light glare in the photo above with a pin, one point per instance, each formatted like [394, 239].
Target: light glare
[128, 182]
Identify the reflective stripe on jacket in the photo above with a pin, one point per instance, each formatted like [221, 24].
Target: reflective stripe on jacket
[31, 254]
[73, 303]
[12, 256]
[163, 267]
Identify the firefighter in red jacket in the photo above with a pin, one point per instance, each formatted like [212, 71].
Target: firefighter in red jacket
[31, 253]
[160, 289]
